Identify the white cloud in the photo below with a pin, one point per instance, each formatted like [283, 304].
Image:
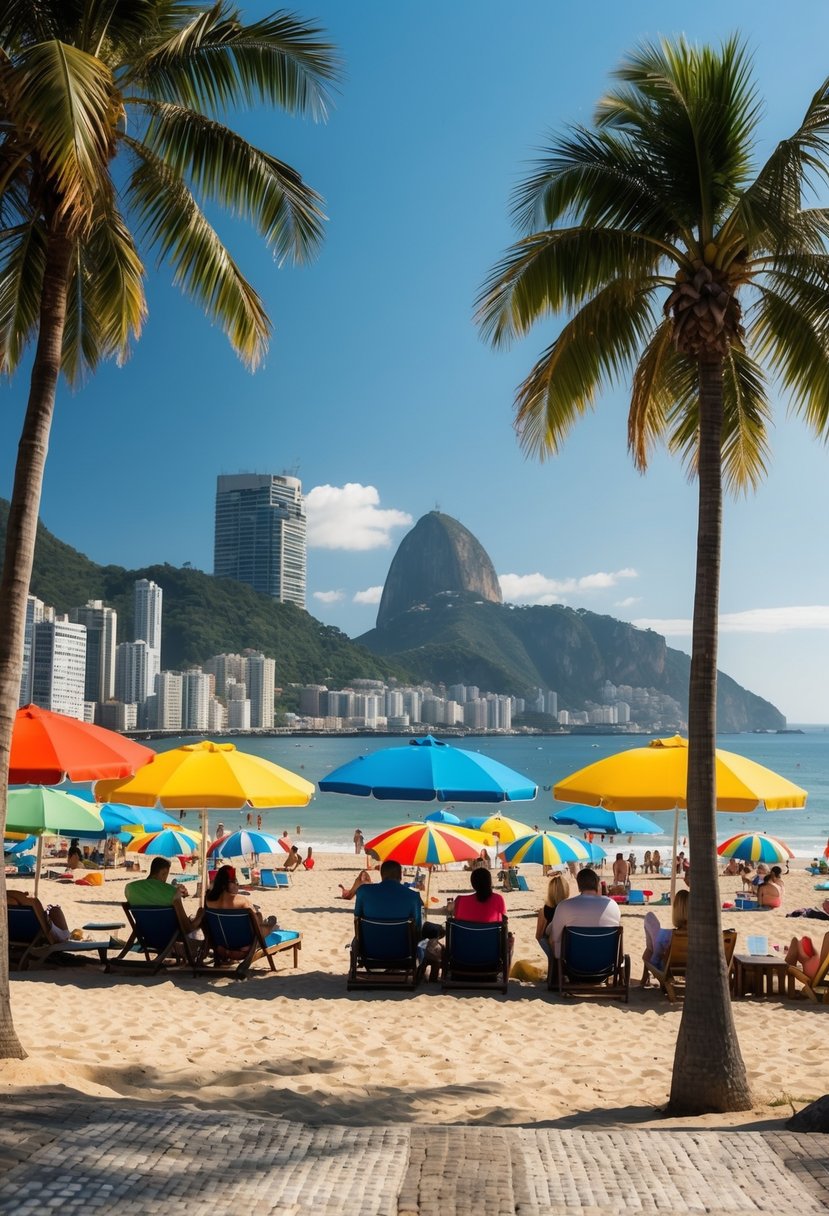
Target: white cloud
[753, 620]
[350, 517]
[371, 595]
[539, 589]
[628, 602]
[329, 597]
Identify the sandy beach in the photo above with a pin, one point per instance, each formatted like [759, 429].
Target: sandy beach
[296, 1044]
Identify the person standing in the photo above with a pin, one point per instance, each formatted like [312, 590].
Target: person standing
[359, 841]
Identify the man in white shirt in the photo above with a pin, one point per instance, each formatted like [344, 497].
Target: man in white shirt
[588, 909]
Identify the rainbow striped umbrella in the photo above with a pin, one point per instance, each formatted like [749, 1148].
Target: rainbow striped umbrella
[424, 844]
[171, 842]
[546, 849]
[244, 844]
[750, 846]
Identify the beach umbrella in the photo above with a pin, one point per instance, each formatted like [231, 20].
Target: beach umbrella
[443, 817]
[505, 828]
[428, 770]
[244, 844]
[655, 778]
[424, 844]
[209, 776]
[612, 823]
[595, 851]
[752, 846]
[48, 748]
[546, 849]
[39, 810]
[169, 842]
[12, 846]
[121, 820]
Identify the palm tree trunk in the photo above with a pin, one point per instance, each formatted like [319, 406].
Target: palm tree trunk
[20, 547]
[709, 1074]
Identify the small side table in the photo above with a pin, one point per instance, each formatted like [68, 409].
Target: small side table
[757, 975]
[103, 925]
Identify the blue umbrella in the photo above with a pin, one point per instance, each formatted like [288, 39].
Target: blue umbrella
[443, 817]
[245, 844]
[429, 770]
[596, 851]
[12, 847]
[612, 823]
[117, 817]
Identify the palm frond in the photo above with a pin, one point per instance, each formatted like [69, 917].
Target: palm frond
[559, 269]
[595, 348]
[65, 100]
[214, 61]
[286, 212]
[22, 264]
[791, 333]
[649, 402]
[177, 228]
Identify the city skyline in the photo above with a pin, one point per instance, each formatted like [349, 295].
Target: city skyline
[377, 391]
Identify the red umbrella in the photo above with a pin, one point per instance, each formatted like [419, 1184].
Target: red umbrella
[48, 748]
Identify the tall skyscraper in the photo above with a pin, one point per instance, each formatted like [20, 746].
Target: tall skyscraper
[260, 678]
[36, 611]
[260, 534]
[131, 662]
[148, 602]
[101, 626]
[58, 665]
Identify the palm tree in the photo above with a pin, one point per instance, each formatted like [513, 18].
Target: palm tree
[111, 130]
[682, 272]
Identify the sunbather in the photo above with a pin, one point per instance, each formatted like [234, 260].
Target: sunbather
[59, 930]
[770, 890]
[657, 939]
[349, 892]
[804, 954]
[224, 894]
[558, 888]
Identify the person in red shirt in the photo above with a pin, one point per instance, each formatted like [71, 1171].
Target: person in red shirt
[485, 906]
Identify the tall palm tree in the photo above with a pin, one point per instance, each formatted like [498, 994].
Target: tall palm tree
[111, 131]
[683, 272]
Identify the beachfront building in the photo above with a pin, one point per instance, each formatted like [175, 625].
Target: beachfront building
[148, 599]
[131, 663]
[58, 666]
[260, 681]
[101, 625]
[225, 668]
[168, 701]
[195, 699]
[36, 611]
[260, 536]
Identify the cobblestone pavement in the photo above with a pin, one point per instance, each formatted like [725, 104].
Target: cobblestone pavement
[62, 1152]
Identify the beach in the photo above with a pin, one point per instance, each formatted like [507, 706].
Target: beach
[298, 1045]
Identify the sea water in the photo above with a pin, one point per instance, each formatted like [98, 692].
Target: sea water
[329, 821]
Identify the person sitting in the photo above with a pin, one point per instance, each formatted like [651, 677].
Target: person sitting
[656, 861]
[558, 889]
[362, 878]
[59, 930]
[482, 861]
[646, 862]
[803, 953]
[758, 878]
[486, 906]
[770, 891]
[222, 894]
[657, 939]
[388, 899]
[294, 859]
[310, 860]
[155, 891]
[587, 909]
[74, 858]
[733, 868]
[631, 863]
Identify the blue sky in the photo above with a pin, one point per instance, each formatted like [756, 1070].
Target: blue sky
[377, 389]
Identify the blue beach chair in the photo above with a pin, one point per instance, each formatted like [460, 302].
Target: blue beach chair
[475, 955]
[161, 934]
[384, 954]
[30, 938]
[274, 879]
[592, 962]
[235, 937]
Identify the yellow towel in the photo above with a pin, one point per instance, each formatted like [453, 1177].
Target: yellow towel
[523, 969]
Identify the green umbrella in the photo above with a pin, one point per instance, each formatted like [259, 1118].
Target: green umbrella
[37, 810]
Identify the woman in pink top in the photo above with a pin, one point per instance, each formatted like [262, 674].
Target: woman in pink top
[485, 906]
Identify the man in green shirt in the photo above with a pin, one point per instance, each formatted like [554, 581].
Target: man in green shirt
[154, 891]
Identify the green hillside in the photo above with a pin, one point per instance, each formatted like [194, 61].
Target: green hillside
[204, 616]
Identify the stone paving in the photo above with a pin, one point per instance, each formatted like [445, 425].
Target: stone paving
[62, 1152]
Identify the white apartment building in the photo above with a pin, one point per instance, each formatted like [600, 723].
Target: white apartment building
[225, 667]
[238, 714]
[217, 717]
[131, 665]
[195, 700]
[260, 680]
[168, 700]
[36, 611]
[101, 628]
[58, 666]
[148, 606]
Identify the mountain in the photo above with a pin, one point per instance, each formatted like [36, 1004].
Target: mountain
[454, 634]
[204, 616]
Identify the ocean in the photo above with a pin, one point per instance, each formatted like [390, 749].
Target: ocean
[329, 821]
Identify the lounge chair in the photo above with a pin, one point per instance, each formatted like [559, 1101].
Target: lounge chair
[475, 955]
[273, 879]
[816, 989]
[238, 929]
[162, 935]
[384, 954]
[592, 962]
[671, 975]
[30, 939]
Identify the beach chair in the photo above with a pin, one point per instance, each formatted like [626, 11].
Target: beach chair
[816, 989]
[274, 879]
[162, 935]
[238, 930]
[521, 883]
[384, 954]
[636, 896]
[671, 975]
[510, 880]
[592, 962]
[475, 955]
[30, 941]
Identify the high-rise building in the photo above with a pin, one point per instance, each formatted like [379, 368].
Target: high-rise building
[195, 710]
[101, 625]
[260, 680]
[168, 696]
[36, 611]
[260, 534]
[147, 628]
[131, 662]
[225, 667]
[58, 666]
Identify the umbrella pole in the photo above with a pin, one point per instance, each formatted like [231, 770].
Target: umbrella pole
[428, 884]
[673, 853]
[38, 862]
[203, 856]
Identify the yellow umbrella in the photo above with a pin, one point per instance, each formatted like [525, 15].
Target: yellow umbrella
[655, 778]
[505, 828]
[205, 775]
